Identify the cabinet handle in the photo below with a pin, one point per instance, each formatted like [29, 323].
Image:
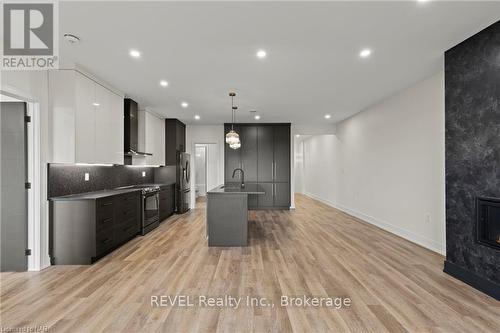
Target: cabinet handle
[107, 220]
[274, 174]
[105, 241]
[272, 170]
[107, 204]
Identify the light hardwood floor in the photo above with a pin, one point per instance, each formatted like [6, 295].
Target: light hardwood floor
[315, 250]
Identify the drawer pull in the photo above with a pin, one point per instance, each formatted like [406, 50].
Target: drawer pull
[107, 204]
[104, 241]
[107, 220]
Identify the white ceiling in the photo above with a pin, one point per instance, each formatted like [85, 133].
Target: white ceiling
[204, 50]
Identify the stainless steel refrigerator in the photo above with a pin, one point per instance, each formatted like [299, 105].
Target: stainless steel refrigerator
[183, 184]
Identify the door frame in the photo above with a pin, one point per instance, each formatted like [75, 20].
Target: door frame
[204, 146]
[33, 148]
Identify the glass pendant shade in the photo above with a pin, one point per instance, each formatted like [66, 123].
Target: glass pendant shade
[235, 145]
[232, 137]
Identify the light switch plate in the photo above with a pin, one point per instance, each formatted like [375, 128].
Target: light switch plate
[144, 173]
[87, 176]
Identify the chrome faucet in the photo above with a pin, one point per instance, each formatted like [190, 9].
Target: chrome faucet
[242, 176]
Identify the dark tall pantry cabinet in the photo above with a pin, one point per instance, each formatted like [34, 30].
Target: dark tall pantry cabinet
[264, 156]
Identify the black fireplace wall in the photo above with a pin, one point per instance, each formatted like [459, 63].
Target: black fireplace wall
[472, 90]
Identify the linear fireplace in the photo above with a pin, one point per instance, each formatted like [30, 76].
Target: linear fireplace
[488, 221]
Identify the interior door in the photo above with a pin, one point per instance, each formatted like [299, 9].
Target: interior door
[14, 212]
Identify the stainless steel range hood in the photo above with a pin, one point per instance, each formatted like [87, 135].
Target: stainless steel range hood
[133, 153]
[131, 131]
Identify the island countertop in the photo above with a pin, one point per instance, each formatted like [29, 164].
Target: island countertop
[236, 188]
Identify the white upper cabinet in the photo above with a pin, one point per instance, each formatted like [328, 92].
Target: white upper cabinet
[151, 139]
[117, 139]
[86, 120]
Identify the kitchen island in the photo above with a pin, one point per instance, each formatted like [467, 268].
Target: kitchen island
[227, 214]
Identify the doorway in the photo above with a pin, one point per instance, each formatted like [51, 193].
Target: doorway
[14, 184]
[200, 167]
[206, 165]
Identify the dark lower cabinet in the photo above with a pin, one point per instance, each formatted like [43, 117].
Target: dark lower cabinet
[83, 231]
[266, 200]
[253, 201]
[281, 195]
[277, 196]
[167, 201]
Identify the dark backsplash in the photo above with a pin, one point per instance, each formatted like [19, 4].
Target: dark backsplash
[65, 179]
[165, 174]
[472, 89]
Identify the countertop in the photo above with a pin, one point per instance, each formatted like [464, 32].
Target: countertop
[236, 188]
[106, 193]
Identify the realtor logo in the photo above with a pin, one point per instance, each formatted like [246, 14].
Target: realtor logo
[29, 36]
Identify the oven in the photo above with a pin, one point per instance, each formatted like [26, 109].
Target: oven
[150, 209]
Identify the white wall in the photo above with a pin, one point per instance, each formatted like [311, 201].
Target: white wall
[385, 165]
[298, 165]
[33, 86]
[213, 134]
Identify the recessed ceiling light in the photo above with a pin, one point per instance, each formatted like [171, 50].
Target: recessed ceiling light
[365, 53]
[197, 117]
[163, 83]
[135, 54]
[297, 135]
[184, 104]
[257, 117]
[327, 116]
[72, 39]
[95, 104]
[261, 54]
[422, 0]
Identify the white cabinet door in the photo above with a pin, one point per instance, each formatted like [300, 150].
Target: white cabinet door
[155, 139]
[160, 141]
[85, 130]
[150, 138]
[103, 125]
[62, 110]
[117, 123]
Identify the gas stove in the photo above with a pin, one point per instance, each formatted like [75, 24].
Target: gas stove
[149, 189]
[145, 188]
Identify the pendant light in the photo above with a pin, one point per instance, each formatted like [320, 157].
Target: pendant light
[232, 138]
[235, 145]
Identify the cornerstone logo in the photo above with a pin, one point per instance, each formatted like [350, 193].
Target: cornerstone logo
[29, 36]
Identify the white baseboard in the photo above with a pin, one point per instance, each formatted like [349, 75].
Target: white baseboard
[406, 234]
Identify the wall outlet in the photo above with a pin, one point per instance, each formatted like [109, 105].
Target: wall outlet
[428, 218]
[144, 173]
[87, 176]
